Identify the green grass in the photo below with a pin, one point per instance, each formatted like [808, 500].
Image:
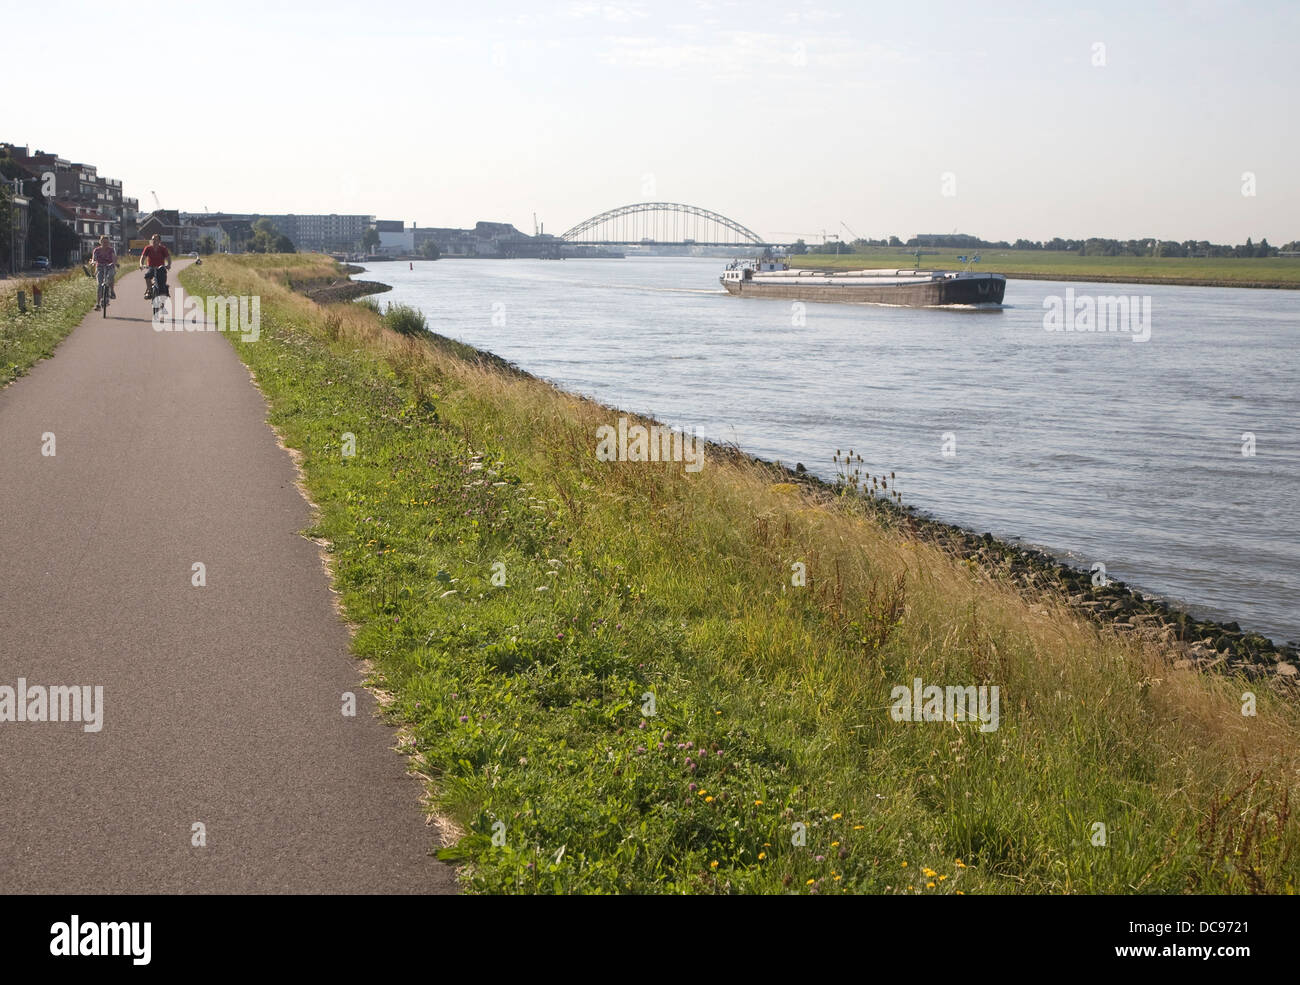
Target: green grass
[526, 702]
[25, 339]
[1278, 271]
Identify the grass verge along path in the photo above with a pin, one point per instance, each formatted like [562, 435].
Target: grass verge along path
[26, 338]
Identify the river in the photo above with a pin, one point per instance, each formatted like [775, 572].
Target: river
[1092, 446]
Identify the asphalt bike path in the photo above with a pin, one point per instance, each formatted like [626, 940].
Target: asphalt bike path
[223, 705]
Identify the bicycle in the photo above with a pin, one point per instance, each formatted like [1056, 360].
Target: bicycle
[105, 276]
[155, 287]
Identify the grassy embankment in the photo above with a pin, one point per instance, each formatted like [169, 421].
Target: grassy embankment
[524, 701]
[25, 339]
[1053, 265]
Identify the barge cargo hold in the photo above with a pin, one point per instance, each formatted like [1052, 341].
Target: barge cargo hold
[914, 288]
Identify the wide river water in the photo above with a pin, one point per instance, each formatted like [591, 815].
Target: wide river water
[1091, 446]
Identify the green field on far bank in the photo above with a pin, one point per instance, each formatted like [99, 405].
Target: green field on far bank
[613, 680]
[1048, 264]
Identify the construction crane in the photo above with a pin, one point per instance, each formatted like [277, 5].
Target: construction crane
[156, 204]
[822, 233]
[849, 231]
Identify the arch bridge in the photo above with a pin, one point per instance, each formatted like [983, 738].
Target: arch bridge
[661, 224]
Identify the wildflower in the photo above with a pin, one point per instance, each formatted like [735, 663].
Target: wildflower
[837, 878]
[821, 858]
[942, 878]
[713, 864]
[703, 792]
[836, 817]
[960, 893]
[928, 872]
[464, 718]
[905, 865]
[758, 803]
[708, 800]
[810, 882]
[960, 864]
[835, 844]
[691, 787]
[857, 827]
[762, 855]
[929, 885]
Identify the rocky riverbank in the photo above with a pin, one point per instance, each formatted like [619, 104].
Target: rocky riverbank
[332, 289]
[1219, 646]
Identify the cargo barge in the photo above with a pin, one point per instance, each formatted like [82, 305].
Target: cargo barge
[916, 288]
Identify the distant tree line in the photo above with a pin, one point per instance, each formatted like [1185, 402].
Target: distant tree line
[1092, 246]
[1152, 247]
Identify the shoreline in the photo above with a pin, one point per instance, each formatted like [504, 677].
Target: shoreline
[1209, 644]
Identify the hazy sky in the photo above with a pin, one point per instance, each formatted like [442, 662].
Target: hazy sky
[789, 117]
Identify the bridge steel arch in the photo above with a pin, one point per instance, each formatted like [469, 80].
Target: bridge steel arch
[662, 223]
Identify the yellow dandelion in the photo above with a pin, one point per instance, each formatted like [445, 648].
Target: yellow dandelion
[835, 844]
[929, 885]
[701, 793]
[905, 865]
[837, 878]
[942, 878]
[762, 855]
[836, 817]
[857, 827]
[713, 864]
[928, 872]
[810, 882]
[960, 864]
[708, 800]
[960, 893]
[758, 803]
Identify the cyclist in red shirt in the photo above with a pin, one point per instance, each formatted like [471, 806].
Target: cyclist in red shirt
[159, 261]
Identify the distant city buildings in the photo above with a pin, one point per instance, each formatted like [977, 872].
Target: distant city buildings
[394, 238]
[70, 193]
[323, 233]
[231, 231]
[73, 205]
